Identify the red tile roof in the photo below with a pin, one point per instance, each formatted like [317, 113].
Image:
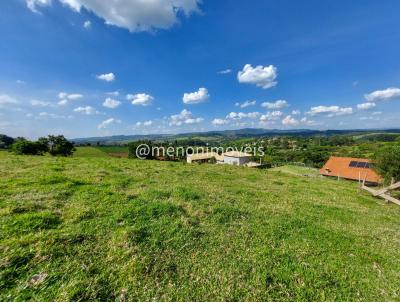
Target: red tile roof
[340, 167]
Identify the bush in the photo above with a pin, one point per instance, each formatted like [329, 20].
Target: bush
[6, 141]
[387, 162]
[24, 147]
[58, 145]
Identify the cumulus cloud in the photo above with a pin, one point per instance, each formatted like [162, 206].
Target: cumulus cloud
[38, 103]
[108, 122]
[296, 112]
[242, 115]
[88, 110]
[65, 97]
[33, 4]
[383, 95]
[113, 93]
[264, 77]
[87, 24]
[279, 104]
[225, 71]
[366, 106]
[197, 97]
[111, 103]
[330, 110]
[290, 121]
[140, 99]
[219, 122]
[5, 99]
[184, 117]
[246, 104]
[144, 124]
[108, 77]
[271, 116]
[134, 15]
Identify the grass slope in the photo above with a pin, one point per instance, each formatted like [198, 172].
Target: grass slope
[106, 229]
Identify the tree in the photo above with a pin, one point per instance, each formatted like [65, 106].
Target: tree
[58, 145]
[6, 141]
[387, 162]
[144, 152]
[25, 147]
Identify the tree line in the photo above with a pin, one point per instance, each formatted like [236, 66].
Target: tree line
[55, 145]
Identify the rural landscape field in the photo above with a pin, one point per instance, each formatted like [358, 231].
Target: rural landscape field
[199, 151]
[111, 229]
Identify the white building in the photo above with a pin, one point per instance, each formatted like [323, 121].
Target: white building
[231, 158]
[236, 158]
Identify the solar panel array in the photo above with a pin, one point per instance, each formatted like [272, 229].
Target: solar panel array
[360, 164]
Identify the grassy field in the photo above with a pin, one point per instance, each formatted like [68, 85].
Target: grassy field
[107, 229]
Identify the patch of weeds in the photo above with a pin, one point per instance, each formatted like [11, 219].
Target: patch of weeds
[30, 222]
[25, 208]
[277, 182]
[13, 267]
[228, 214]
[189, 194]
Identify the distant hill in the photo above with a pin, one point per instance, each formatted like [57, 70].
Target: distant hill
[225, 134]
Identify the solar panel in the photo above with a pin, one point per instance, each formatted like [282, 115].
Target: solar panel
[361, 164]
[353, 164]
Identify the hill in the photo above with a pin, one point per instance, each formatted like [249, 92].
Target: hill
[106, 229]
[224, 135]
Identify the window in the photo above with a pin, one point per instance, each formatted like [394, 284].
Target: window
[360, 164]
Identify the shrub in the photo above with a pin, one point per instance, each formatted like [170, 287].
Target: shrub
[24, 147]
[6, 141]
[387, 162]
[58, 145]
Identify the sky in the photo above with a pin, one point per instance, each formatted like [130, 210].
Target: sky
[95, 68]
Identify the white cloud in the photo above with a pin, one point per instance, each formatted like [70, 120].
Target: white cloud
[279, 104]
[219, 122]
[144, 124]
[113, 93]
[271, 116]
[38, 103]
[88, 110]
[65, 97]
[108, 122]
[383, 95]
[141, 99]
[366, 106]
[44, 115]
[134, 15]
[225, 71]
[264, 77]
[290, 121]
[184, 117]
[5, 99]
[241, 115]
[108, 77]
[246, 104]
[197, 97]
[33, 4]
[330, 110]
[296, 112]
[377, 113]
[87, 24]
[20, 82]
[111, 103]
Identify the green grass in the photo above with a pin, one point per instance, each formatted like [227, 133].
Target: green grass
[89, 152]
[113, 149]
[106, 229]
[296, 170]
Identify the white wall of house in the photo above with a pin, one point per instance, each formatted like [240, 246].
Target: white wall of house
[238, 161]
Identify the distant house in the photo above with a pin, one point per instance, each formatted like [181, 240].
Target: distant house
[236, 158]
[231, 158]
[350, 168]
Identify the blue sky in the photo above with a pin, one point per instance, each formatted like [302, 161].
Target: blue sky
[93, 68]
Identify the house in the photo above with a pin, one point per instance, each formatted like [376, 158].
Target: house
[204, 157]
[236, 158]
[350, 168]
[231, 158]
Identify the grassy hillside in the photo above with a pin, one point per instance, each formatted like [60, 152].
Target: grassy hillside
[107, 229]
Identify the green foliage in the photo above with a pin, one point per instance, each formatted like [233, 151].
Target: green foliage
[6, 141]
[132, 148]
[387, 162]
[24, 147]
[58, 145]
